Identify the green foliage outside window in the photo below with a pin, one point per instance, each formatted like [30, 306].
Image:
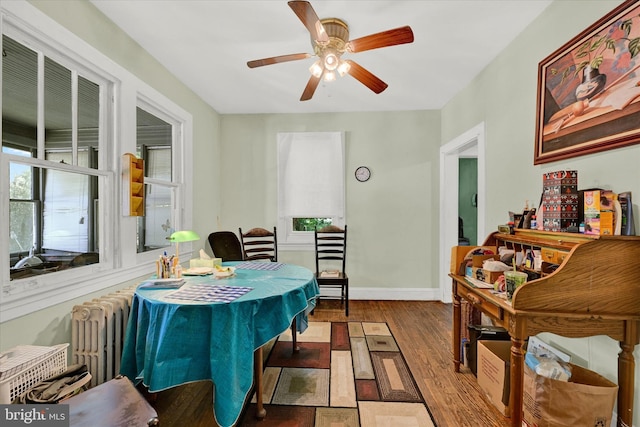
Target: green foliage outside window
[310, 224]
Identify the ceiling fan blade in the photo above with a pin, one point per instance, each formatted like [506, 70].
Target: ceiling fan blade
[393, 37]
[312, 84]
[278, 59]
[310, 20]
[365, 77]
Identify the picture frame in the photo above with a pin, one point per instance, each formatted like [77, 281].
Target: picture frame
[588, 96]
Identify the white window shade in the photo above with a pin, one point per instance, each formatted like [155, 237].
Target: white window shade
[311, 174]
[159, 163]
[66, 210]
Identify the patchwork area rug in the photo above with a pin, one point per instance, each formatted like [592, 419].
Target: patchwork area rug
[346, 374]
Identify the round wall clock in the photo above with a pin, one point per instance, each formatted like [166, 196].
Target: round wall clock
[363, 173]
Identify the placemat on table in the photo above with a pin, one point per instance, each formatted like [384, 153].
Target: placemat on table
[259, 265]
[210, 293]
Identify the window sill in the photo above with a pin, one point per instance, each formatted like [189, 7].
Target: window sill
[26, 296]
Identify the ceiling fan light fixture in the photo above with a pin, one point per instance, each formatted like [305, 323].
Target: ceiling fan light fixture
[343, 68]
[329, 76]
[316, 69]
[331, 61]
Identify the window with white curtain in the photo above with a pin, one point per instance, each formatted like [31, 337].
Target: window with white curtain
[311, 181]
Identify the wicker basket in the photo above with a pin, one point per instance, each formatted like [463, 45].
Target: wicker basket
[35, 364]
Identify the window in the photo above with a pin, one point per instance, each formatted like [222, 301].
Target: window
[310, 185]
[50, 118]
[154, 144]
[68, 115]
[22, 207]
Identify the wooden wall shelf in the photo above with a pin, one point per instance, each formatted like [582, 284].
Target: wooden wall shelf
[132, 185]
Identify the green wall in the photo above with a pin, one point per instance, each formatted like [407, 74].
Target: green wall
[391, 217]
[503, 96]
[467, 188]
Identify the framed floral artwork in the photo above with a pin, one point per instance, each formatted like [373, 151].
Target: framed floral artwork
[589, 89]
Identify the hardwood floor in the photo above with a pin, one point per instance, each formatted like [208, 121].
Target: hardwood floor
[422, 330]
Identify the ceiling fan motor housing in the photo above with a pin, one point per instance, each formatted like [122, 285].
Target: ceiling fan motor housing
[338, 32]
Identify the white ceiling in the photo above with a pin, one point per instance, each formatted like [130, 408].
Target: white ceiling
[207, 43]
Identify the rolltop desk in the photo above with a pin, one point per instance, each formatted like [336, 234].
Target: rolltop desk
[594, 290]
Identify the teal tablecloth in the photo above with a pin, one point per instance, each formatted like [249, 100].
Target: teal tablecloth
[171, 342]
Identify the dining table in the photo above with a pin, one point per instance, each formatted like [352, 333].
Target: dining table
[213, 328]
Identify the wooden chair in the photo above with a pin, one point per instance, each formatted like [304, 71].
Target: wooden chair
[331, 250]
[116, 403]
[259, 244]
[225, 245]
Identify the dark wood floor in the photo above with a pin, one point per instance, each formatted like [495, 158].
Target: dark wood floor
[423, 332]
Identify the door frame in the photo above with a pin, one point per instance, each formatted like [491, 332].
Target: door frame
[450, 153]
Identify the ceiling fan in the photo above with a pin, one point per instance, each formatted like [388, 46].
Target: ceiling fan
[330, 40]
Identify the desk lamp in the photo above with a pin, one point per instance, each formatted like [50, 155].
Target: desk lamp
[182, 237]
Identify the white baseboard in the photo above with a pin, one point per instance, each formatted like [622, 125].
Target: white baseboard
[404, 294]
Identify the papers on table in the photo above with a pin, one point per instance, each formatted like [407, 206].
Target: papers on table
[198, 271]
[478, 283]
[162, 284]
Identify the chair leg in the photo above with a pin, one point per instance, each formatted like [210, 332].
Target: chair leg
[346, 297]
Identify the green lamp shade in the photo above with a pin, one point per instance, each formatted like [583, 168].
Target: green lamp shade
[184, 236]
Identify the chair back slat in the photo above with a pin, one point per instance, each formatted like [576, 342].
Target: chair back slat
[330, 245]
[259, 244]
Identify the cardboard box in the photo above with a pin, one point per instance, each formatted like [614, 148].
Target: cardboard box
[607, 223]
[558, 183]
[485, 275]
[485, 333]
[475, 262]
[494, 372]
[587, 399]
[560, 200]
[599, 218]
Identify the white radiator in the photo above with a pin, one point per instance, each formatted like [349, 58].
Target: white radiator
[97, 334]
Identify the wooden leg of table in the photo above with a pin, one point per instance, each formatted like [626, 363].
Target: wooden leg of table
[257, 363]
[626, 375]
[517, 373]
[294, 336]
[457, 313]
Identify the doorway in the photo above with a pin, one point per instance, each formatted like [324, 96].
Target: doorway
[467, 145]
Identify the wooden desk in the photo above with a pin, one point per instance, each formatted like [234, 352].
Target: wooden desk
[594, 291]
